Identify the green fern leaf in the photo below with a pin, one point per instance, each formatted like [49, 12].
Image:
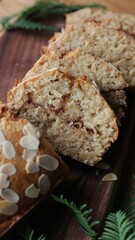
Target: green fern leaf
[30, 17]
[31, 25]
[118, 227]
[81, 214]
[29, 235]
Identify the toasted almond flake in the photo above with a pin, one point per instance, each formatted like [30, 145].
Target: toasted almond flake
[110, 177]
[44, 184]
[29, 142]
[32, 191]
[8, 150]
[103, 165]
[31, 167]
[29, 155]
[2, 137]
[4, 183]
[31, 129]
[9, 195]
[8, 168]
[8, 208]
[47, 162]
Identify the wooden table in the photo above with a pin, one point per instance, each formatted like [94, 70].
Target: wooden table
[57, 222]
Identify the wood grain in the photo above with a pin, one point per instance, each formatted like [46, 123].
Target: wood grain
[18, 52]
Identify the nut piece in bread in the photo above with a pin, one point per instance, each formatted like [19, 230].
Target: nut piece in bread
[71, 112]
[24, 181]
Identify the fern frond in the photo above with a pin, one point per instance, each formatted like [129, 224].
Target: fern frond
[81, 214]
[30, 17]
[118, 227]
[29, 235]
[31, 25]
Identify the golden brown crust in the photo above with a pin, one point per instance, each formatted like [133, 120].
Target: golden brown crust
[13, 131]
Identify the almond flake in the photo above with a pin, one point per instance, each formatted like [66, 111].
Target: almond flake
[29, 142]
[109, 177]
[31, 167]
[8, 150]
[2, 137]
[9, 195]
[47, 162]
[32, 191]
[44, 184]
[29, 155]
[103, 165]
[8, 168]
[8, 208]
[31, 129]
[4, 183]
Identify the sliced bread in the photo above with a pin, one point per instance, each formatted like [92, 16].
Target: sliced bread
[119, 21]
[111, 45]
[71, 112]
[77, 63]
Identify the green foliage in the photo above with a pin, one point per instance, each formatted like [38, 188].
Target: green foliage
[118, 227]
[31, 18]
[29, 235]
[82, 215]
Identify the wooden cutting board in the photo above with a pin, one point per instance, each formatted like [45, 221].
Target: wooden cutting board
[18, 52]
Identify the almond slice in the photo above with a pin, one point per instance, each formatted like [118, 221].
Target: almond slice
[47, 162]
[44, 184]
[29, 155]
[29, 142]
[8, 208]
[103, 165]
[109, 177]
[4, 183]
[8, 150]
[9, 195]
[31, 167]
[8, 168]
[31, 129]
[32, 191]
[2, 137]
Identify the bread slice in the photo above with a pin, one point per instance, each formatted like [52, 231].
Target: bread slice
[120, 21]
[77, 64]
[71, 112]
[111, 45]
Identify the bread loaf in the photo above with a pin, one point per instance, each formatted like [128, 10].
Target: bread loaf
[77, 63]
[119, 21]
[73, 115]
[29, 168]
[111, 45]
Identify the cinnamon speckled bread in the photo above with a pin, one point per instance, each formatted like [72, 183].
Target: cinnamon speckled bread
[111, 45]
[29, 168]
[119, 21]
[77, 63]
[71, 112]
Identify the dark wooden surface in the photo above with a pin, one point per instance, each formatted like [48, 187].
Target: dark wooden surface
[18, 51]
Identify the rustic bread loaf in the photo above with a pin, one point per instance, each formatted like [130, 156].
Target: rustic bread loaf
[29, 168]
[111, 45]
[120, 21]
[71, 112]
[77, 63]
